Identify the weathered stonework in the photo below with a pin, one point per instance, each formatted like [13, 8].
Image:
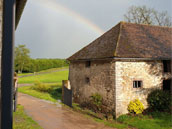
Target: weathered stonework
[151, 73]
[114, 81]
[101, 75]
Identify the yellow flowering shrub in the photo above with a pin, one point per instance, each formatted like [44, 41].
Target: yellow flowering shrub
[135, 107]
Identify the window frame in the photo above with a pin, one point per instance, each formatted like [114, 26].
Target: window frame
[137, 81]
[88, 64]
[87, 80]
[166, 66]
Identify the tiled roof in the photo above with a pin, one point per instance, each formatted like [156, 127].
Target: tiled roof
[129, 40]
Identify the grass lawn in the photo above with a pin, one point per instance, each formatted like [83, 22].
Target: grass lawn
[43, 71]
[155, 120]
[52, 95]
[55, 77]
[22, 121]
[53, 69]
[22, 74]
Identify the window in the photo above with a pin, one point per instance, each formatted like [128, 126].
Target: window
[137, 84]
[87, 80]
[167, 65]
[167, 85]
[88, 64]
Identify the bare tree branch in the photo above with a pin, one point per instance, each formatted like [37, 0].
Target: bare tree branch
[144, 15]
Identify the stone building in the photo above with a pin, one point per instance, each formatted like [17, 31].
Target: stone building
[124, 64]
[10, 13]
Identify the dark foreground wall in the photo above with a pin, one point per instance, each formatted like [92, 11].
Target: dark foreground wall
[1, 14]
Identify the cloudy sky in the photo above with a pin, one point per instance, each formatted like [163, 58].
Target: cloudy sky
[59, 28]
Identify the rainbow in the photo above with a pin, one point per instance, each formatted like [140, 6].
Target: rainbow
[53, 5]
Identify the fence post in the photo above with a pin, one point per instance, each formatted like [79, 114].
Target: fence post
[66, 93]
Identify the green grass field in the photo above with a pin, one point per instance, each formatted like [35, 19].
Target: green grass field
[22, 74]
[52, 95]
[43, 71]
[22, 121]
[154, 120]
[53, 69]
[54, 77]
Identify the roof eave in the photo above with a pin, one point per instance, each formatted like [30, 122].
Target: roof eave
[121, 59]
[20, 4]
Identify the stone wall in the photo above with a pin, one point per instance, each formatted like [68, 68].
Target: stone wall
[102, 81]
[151, 74]
[114, 81]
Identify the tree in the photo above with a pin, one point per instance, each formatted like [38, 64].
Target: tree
[144, 15]
[22, 58]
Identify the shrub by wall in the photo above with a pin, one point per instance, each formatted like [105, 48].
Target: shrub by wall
[135, 107]
[96, 101]
[159, 100]
[40, 87]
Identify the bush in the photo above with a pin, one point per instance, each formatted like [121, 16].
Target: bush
[159, 100]
[40, 87]
[96, 100]
[135, 107]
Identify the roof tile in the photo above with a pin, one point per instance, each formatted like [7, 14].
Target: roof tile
[129, 40]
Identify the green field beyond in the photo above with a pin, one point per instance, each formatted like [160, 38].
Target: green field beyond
[53, 94]
[52, 77]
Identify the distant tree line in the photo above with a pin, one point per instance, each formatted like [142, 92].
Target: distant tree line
[36, 65]
[23, 62]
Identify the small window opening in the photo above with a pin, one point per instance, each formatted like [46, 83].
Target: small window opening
[87, 80]
[167, 65]
[167, 85]
[88, 64]
[137, 84]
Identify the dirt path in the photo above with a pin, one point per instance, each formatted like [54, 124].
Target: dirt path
[55, 116]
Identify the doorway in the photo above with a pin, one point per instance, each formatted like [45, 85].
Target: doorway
[167, 85]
